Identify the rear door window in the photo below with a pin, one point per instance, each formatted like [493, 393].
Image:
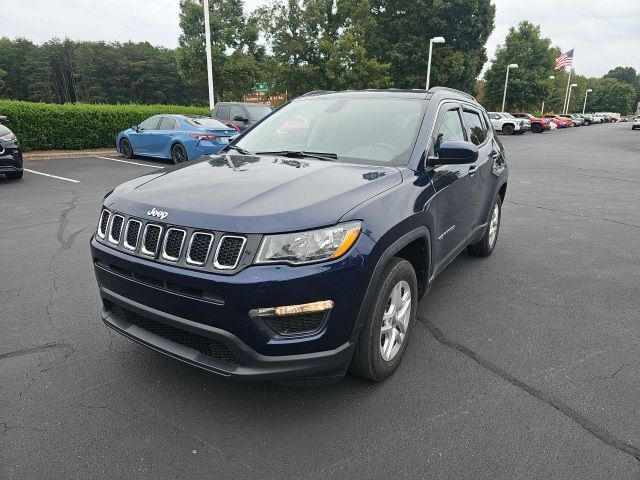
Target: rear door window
[476, 130]
[167, 123]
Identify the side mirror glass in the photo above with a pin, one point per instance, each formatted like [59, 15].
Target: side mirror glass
[454, 153]
[240, 118]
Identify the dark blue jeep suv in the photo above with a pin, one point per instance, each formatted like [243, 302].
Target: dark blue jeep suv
[302, 250]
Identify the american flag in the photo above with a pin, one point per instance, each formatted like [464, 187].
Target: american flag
[564, 60]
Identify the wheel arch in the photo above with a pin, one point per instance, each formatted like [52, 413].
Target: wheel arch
[415, 247]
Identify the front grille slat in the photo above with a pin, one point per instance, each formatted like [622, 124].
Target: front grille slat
[131, 234]
[228, 252]
[116, 229]
[173, 241]
[199, 247]
[151, 239]
[104, 223]
[204, 345]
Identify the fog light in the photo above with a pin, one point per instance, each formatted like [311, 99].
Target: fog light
[292, 309]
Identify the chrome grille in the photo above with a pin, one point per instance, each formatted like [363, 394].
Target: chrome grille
[104, 222]
[199, 247]
[228, 252]
[131, 234]
[151, 239]
[116, 229]
[173, 241]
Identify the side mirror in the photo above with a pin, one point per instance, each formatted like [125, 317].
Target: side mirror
[135, 128]
[4, 119]
[454, 152]
[240, 118]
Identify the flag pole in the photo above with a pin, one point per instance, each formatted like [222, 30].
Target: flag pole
[566, 94]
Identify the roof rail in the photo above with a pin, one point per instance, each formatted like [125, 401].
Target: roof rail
[453, 90]
[316, 92]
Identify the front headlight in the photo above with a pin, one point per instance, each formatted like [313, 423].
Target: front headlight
[9, 137]
[310, 246]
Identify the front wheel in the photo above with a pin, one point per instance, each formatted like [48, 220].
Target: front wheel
[385, 334]
[178, 153]
[487, 243]
[126, 149]
[535, 128]
[508, 129]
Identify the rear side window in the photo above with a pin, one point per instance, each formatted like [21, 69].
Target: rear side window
[167, 123]
[223, 112]
[475, 128]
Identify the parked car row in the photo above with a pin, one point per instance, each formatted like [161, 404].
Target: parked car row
[520, 122]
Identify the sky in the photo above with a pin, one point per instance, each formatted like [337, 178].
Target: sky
[605, 33]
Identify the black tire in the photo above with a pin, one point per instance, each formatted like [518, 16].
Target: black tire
[484, 247]
[535, 128]
[179, 153]
[14, 175]
[508, 129]
[126, 149]
[367, 360]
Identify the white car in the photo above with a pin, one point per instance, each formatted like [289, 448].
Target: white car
[507, 123]
[636, 122]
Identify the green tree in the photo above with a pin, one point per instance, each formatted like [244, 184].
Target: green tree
[610, 95]
[623, 74]
[405, 28]
[528, 84]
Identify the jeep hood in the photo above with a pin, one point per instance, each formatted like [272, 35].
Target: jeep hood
[253, 194]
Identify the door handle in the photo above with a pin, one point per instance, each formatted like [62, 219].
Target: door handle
[472, 170]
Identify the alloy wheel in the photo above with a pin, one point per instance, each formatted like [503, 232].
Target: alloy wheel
[493, 226]
[395, 321]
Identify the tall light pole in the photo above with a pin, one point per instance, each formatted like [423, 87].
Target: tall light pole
[207, 43]
[566, 110]
[506, 81]
[431, 42]
[587, 92]
[551, 77]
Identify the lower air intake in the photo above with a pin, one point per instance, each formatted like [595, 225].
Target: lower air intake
[295, 325]
[202, 344]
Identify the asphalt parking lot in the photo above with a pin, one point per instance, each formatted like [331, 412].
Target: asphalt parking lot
[522, 365]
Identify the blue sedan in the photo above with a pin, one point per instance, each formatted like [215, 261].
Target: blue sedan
[176, 137]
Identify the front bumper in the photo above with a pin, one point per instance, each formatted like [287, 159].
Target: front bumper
[10, 159]
[142, 298]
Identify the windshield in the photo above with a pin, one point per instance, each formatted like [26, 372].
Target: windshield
[374, 131]
[205, 122]
[256, 112]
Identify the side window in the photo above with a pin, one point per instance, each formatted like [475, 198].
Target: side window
[223, 112]
[475, 128]
[495, 116]
[237, 110]
[167, 123]
[149, 124]
[450, 129]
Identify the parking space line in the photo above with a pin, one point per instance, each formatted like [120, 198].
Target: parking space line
[52, 176]
[127, 161]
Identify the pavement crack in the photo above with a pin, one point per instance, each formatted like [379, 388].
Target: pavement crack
[584, 215]
[568, 411]
[30, 350]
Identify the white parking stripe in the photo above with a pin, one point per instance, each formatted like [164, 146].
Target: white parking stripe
[127, 161]
[52, 176]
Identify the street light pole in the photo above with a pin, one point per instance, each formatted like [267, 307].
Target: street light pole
[584, 106]
[506, 81]
[207, 43]
[566, 110]
[551, 77]
[431, 42]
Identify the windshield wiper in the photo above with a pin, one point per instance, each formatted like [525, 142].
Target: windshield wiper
[239, 150]
[302, 154]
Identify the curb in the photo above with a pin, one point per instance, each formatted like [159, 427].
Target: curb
[54, 154]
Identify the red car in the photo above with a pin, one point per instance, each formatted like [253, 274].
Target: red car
[538, 125]
[561, 122]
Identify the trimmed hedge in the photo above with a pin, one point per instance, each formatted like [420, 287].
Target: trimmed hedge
[43, 126]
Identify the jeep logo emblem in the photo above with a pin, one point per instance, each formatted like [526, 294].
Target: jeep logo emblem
[158, 213]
